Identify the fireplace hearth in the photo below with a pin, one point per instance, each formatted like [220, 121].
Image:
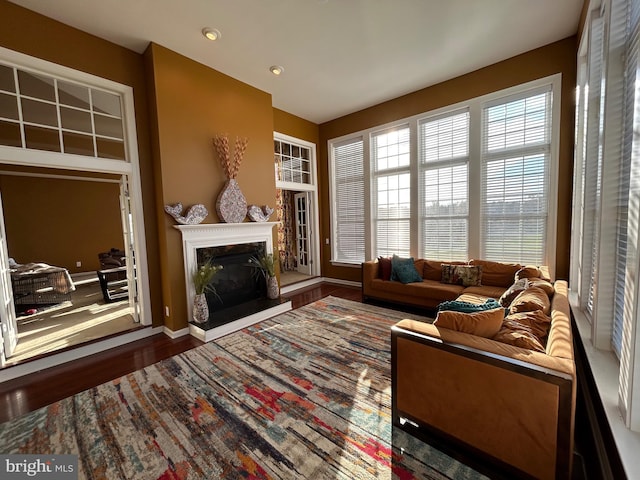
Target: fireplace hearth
[240, 298]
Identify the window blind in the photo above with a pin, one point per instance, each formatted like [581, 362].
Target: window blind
[516, 137]
[444, 193]
[623, 284]
[392, 191]
[348, 202]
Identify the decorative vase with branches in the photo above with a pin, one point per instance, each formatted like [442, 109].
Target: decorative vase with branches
[202, 283]
[266, 264]
[231, 204]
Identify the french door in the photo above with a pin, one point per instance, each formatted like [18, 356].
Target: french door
[8, 324]
[303, 232]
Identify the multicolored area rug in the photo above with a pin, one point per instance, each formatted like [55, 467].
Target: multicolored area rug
[305, 395]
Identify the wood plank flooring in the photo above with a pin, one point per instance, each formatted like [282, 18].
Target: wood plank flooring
[37, 390]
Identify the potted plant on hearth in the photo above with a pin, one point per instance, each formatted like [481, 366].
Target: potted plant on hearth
[266, 264]
[202, 283]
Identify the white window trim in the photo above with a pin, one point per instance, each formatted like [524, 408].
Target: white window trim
[474, 106]
[313, 181]
[131, 167]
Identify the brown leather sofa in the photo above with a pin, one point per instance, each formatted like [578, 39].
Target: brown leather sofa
[505, 409]
[496, 278]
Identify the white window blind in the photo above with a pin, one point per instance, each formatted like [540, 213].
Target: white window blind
[392, 190]
[623, 282]
[348, 202]
[516, 142]
[444, 186]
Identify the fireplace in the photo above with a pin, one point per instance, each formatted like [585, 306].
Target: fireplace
[241, 295]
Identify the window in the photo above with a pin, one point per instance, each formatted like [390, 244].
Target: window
[473, 180]
[515, 178]
[444, 186]
[606, 211]
[293, 162]
[348, 200]
[41, 112]
[392, 190]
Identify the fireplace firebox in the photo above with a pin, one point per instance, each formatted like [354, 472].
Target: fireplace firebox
[238, 282]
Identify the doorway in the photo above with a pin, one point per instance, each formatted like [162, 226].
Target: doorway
[295, 231]
[57, 230]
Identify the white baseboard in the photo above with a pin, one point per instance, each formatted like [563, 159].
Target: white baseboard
[339, 281]
[176, 333]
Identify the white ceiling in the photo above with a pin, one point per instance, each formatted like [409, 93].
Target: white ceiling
[339, 56]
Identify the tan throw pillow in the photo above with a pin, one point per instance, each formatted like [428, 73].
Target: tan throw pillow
[543, 284]
[525, 330]
[533, 298]
[483, 324]
[465, 275]
[513, 291]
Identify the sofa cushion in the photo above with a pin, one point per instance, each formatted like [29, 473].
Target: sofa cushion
[533, 298]
[543, 284]
[497, 274]
[404, 270]
[484, 323]
[484, 291]
[526, 330]
[513, 291]
[384, 266]
[465, 275]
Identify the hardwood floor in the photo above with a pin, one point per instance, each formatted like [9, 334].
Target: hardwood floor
[37, 390]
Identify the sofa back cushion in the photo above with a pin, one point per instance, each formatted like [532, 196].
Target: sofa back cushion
[497, 274]
[526, 330]
[531, 299]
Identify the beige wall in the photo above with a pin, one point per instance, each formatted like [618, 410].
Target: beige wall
[60, 222]
[193, 104]
[559, 57]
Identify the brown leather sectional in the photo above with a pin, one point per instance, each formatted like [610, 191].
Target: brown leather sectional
[507, 410]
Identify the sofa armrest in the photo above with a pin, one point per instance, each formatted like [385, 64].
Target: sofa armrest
[370, 271]
[447, 386]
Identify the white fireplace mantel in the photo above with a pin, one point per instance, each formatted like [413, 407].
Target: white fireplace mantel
[206, 235]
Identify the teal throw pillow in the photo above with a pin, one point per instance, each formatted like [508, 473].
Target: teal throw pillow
[404, 270]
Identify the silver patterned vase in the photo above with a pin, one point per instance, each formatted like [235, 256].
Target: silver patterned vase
[273, 290]
[200, 308]
[231, 204]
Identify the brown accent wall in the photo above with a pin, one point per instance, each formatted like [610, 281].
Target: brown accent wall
[60, 222]
[193, 103]
[294, 126]
[558, 57]
[36, 35]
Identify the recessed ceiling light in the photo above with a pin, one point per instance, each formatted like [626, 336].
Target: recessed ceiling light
[211, 33]
[276, 69]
